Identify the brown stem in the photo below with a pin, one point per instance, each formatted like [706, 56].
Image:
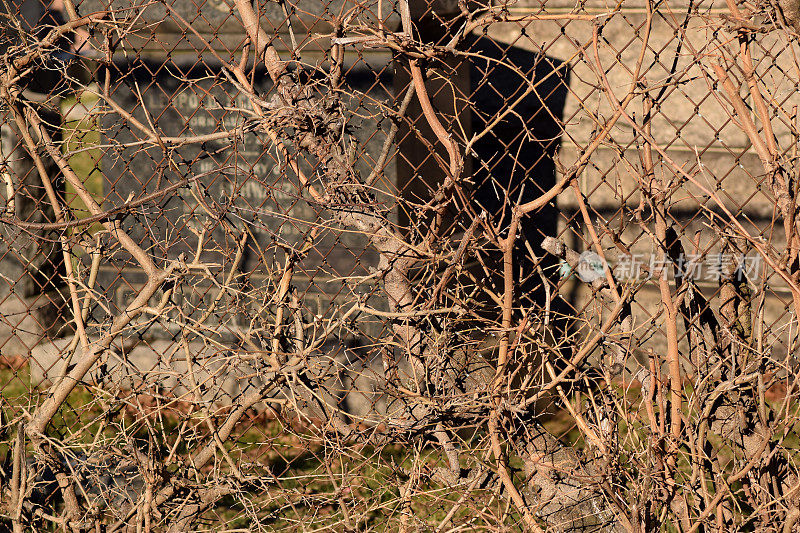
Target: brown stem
[433, 120]
[505, 477]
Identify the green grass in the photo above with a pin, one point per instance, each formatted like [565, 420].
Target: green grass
[81, 139]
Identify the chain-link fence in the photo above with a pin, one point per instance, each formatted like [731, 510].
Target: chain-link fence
[447, 266]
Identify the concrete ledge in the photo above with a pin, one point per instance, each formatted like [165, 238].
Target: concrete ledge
[338, 381]
[336, 378]
[159, 366]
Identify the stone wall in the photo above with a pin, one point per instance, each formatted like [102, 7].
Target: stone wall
[693, 124]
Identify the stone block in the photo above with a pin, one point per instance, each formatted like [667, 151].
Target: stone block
[691, 114]
[21, 324]
[736, 177]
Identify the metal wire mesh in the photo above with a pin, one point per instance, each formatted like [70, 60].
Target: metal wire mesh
[429, 265]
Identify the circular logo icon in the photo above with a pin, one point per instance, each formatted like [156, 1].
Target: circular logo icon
[590, 267]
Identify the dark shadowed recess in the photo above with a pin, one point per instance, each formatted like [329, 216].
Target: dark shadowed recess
[515, 162]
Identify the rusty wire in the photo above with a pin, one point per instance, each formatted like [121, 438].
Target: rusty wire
[332, 265]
